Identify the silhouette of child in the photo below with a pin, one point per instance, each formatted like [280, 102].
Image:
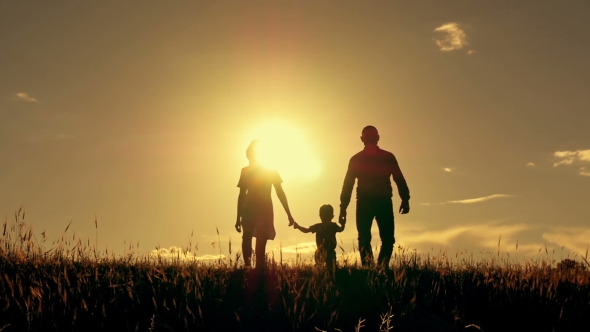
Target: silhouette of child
[325, 236]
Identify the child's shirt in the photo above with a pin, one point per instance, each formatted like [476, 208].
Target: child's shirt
[325, 234]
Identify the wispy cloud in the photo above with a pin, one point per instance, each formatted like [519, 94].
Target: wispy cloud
[493, 235]
[451, 37]
[480, 199]
[300, 248]
[576, 239]
[425, 204]
[448, 169]
[470, 200]
[531, 164]
[449, 235]
[24, 96]
[175, 252]
[568, 157]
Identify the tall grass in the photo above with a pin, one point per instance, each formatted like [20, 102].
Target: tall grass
[73, 287]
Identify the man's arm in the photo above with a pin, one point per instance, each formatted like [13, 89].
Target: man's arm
[347, 186]
[400, 181]
[402, 186]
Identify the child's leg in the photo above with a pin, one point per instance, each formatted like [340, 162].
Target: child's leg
[247, 234]
[331, 259]
[318, 257]
[260, 252]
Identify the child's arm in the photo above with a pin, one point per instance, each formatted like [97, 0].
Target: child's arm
[302, 229]
[341, 227]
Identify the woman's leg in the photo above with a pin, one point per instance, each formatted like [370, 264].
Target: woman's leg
[260, 252]
[247, 234]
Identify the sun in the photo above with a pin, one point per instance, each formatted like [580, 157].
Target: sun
[284, 148]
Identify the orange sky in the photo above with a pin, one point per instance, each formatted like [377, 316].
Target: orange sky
[141, 114]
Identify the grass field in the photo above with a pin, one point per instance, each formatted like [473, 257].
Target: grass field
[71, 287]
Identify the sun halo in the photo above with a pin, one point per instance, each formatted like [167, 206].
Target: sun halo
[283, 147]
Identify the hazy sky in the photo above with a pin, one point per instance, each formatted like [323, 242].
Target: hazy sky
[140, 112]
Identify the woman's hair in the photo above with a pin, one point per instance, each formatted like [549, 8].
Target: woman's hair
[251, 152]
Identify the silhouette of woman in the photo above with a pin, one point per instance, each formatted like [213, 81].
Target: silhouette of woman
[255, 210]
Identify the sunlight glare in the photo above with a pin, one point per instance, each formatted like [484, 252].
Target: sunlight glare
[284, 148]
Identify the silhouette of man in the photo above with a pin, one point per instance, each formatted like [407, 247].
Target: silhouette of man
[373, 168]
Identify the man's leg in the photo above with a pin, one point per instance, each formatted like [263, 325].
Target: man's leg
[385, 222]
[364, 221]
[247, 233]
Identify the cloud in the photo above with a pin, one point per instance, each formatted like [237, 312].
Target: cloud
[584, 155]
[451, 37]
[175, 252]
[567, 161]
[576, 239]
[26, 97]
[480, 199]
[568, 157]
[469, 200]
[531, 164]
[471, 52]
[448, 169]
[489, 236]
[449, 235]
[300, 248]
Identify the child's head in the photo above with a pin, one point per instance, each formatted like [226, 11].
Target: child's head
[326, 212]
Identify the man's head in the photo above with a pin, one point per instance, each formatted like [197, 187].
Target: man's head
[326, 213]
[370, 135]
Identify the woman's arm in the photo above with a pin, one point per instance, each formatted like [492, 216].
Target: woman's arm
[241, 197]
[283, 199]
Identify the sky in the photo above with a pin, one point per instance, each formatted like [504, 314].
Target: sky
[137, 114]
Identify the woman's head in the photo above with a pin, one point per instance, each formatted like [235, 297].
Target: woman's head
[252, 151]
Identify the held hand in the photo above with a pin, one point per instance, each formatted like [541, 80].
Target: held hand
[342, 217]
[291, 220]
[404, 207]
[238, 226]
[295, 225]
